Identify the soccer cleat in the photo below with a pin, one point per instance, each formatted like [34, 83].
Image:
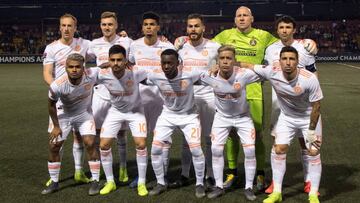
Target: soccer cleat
[200, 191]
[217, 192]
[260, 183]
[134, 183]
[94, 188]
[80, 177]
[51, 188]
[270, 189]
[313, 199]
[249, 194]
[142, 191]
[123, 175]
[230, 180]
[183, 181]
[109, 187]
[209, 183]
[307, 187]
[273, 197]
[158, 189]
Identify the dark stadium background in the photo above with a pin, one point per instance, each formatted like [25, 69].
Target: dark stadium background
[27, 26]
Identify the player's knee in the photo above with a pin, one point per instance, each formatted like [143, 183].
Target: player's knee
[55, 147]
[141, 145]
[156, 149]
[217, 150]
[196, 151]
[281, 149]
[104, 146]
[313, 152]
[89, 141]
[249, 151]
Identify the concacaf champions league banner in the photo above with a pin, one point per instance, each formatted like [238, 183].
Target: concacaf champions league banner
[349, 57]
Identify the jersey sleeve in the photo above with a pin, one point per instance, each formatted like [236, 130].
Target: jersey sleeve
[48, 56]
[263, 71]
[54, 92]
[250, 76]
[140, 74]
[315, 92]
[132, 54]
[149, 80]
[270, 39]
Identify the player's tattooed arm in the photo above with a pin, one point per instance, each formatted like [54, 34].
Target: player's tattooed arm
[315, 114]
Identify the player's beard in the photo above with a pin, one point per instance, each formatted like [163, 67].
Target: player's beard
[197, 38]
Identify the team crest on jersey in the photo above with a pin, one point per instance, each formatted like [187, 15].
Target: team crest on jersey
[253, 42]
[77, 48]
[297, 89]
[139, 52]
[183, 84]
[237, 85]
[205, 52]
[87, 87]
[129, 83]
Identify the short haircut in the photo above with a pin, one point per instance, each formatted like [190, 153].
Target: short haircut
[68, 15]
[226, 48]
[289, 49]
[285, 19]
[117, 49]
[75, 57]
[108, 14]
[196, 16]
[151, 15]
[170, 52]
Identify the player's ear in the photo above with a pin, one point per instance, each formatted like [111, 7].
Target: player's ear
[252, 19]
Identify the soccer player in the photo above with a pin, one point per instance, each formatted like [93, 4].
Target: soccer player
[99, 48]
[232, 110]
[55, 55]
[126, 109]
[286, 28]
[199, 54]
[145, 54]
[299, 95]
[179, 111]
[74, 89]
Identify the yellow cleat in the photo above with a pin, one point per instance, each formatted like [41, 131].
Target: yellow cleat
[109, 187]
[230, 181]
[80, 177]
[48, 182]
[123, 175]
[142, 191]
[273, 197]
[313, 199]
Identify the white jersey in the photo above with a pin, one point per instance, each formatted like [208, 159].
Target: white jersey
[76, 99]
[272, 54]
[124, 92]
[177, 93]
[230, 94]
[294, 96]
[145, 56]
[56, 53]
[99, 48]
[199, 58]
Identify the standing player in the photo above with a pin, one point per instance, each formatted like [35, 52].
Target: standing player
[74, 89]
[199, 54]
[126, 109]
[55, 55]
[179, 111]
[286, 28]
[232, 110]
[299, 94]
[145, 54]
[99, 48]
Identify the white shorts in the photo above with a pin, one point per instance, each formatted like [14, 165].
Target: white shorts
[152, 102]
[189, 124]
[60, 114]
[83, 123]
[222, 126]
[205, 104]
[287, 128]
[116, 119]
[275, 111]
[100, 105]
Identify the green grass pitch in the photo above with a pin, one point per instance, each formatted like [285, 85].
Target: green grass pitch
[23, 146]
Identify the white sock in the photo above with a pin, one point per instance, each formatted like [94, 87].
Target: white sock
[218, 164]
[315, 169]
[78, 154]
[278, 166]
[165, 155]
[250, 165]
[54, 170]
[199, 163]
[121, 144]
[157, 161]
[305, 163]
[186, 158]
[107, 162]
[141, 159]
[94, 169]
